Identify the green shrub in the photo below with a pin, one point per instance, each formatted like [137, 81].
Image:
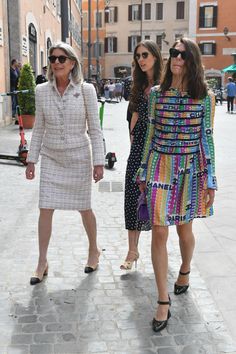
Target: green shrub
[27, 82]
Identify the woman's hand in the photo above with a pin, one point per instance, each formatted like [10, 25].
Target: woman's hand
[210, 196]
[142, 186]
[30, 171]
[98, 173]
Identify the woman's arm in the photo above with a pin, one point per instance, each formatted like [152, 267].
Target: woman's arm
[207, 142]
[39, 128]
[142, 171]
[133, 122]
[94, 129]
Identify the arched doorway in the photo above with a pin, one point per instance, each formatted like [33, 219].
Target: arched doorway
[49, 44]
[32, 46]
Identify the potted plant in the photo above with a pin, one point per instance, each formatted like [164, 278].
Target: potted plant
[26, 100]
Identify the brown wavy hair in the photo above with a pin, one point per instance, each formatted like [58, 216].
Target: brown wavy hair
[140, 79]
[194, 74]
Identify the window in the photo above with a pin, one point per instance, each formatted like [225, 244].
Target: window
[208, 48]
[180, 10]
[134, 12]
[112, 15]
[100, 50]
[208, 16]
[146, 37]
[98, 19]
[110, 45]
[85, 19]
[159, 41]
[132, 42]
[58, 7]
[159, 11]
[147, 11]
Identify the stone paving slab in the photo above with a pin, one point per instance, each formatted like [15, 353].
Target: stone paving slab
[108, 311]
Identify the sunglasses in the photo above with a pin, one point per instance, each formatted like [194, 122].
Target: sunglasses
[61, 59]
[144, 55]
[175, 52]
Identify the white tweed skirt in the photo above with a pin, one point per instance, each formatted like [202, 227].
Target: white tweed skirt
[66, 179]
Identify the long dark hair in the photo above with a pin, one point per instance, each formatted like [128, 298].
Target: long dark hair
[194, 74]
[140, 79]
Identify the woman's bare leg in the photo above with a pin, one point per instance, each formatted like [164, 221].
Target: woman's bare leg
[133, 254]
[44, 235]
[160, 266]
[186, 244]
[89, 222]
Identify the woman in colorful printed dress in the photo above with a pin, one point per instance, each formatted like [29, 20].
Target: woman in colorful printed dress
[147, 70]
[178, 164]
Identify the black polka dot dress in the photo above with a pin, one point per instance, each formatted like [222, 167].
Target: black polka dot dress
[134, 161]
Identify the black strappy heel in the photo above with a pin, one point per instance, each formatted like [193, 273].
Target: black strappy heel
[158, 326]
[181, 289]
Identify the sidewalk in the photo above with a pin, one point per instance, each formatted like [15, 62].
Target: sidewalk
[109, 311]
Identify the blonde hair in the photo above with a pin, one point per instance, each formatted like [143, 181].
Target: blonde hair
[76, 72]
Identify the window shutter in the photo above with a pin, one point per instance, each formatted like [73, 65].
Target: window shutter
[130, 13]
[140, 15]
[214, 22]
[159, 11]
[106, 17]
[129, 44]
[214, 48]
[116, 14]
[106, 45]
[114, 44]
[180, 10]
[201, 16]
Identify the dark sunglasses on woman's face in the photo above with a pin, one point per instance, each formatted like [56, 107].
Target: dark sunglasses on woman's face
[175, 52]
[61, 59]
[144, 55]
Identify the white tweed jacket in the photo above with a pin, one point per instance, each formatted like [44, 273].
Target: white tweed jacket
[62, 121]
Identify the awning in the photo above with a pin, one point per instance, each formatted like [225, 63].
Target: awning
[229, 69]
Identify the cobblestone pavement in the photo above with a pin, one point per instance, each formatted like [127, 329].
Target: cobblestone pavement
[109, 311]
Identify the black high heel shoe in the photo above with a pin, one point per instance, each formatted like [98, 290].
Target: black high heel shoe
[36, 278]
[181, 289]
[158, 326]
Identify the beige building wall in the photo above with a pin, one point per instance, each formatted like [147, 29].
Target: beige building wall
[44, 16]
[122, 29]
[5, 101]
[27, 30]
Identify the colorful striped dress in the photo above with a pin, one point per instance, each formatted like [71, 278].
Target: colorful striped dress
[178, 162]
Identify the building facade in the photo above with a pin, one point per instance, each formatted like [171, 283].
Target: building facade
[28, 29]
[93, 38]
[216, 36]
[4, 67]
[121, 24]
[127, 22]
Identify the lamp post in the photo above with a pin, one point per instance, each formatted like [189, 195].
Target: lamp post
[97, 51]
[89, 40]
[141, 21]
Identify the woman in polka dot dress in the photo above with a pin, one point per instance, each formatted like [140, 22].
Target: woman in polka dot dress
[148, 66]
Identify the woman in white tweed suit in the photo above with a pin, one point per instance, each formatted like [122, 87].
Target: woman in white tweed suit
[65, 109]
